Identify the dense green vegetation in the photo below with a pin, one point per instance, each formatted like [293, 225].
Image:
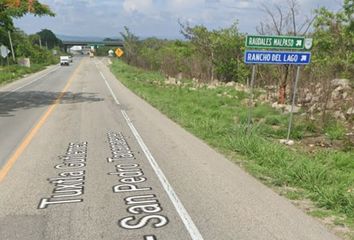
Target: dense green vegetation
[10, 9]
[9, 73]
[209, 55]
[218, 54]
[103, 50]
[47, 39]
[334, 41]
[218, 117]
[25, 46]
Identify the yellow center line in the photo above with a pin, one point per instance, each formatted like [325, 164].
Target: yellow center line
[29, 137]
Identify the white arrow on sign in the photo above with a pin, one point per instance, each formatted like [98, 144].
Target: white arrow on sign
[4, 51]
[303, 58]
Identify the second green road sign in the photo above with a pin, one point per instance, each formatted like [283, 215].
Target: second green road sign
[278, 42]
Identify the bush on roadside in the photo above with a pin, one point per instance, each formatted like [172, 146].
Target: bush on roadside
[335, 130]
[12, 72]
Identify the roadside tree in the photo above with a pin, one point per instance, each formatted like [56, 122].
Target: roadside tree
[48, 39]
[10, 9]
[131, 46]
[284, 20]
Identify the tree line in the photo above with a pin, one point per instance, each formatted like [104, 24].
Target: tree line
[210, 55]
[207, 55]
[35, 46]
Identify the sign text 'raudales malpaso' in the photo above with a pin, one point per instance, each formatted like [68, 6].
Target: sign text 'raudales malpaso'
[279, 42]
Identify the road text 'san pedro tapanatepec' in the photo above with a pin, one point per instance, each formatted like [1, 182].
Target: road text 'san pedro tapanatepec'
[141, 203]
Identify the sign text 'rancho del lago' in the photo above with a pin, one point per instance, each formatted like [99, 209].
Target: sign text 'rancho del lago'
[274, 57]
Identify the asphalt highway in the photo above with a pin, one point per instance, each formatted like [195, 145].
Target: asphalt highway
[82, 157]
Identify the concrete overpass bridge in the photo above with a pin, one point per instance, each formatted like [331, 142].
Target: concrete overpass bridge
[69, 44]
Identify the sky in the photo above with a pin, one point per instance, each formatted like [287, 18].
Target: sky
[159, 18]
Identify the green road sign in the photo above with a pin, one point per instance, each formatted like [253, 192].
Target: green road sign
[96, 45]
[278, 42]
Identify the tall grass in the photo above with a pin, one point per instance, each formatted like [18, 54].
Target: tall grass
[12, 72]
[326, 177]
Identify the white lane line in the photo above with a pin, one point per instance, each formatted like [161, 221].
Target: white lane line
[182, 212]
[149, 238]
[110, 89]
[33, 81]
[187, 220]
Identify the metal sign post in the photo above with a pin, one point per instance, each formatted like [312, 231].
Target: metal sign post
[250, 102]
[293, 103]
[277, 58]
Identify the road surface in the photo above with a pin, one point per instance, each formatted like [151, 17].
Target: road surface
[82, 157]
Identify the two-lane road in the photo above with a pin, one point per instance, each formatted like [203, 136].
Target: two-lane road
[82, 157]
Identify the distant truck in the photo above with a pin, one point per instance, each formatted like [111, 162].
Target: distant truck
[64, 60]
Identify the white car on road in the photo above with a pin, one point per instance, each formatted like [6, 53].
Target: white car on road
[64, 60]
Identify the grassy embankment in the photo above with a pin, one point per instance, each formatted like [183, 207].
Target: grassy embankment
[218, 116]
[13, 72]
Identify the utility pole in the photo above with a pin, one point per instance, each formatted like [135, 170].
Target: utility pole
[12, 48]
[40, 42]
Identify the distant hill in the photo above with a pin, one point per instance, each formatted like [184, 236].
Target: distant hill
[95, 39]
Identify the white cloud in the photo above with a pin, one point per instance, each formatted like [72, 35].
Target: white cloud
[131, 6]
[153, 17]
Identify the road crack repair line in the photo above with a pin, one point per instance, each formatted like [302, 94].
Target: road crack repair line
[182, 212]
